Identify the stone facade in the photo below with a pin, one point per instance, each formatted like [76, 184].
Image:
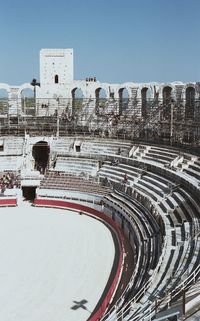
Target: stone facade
[58, 89]
[56, 67]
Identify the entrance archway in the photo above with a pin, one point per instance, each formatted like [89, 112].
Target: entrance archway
[27, 101]
[29, 192]
[167, 95]
[40, 154]
[123, 100]
[145, 95]
[77, 101]
[100, 102]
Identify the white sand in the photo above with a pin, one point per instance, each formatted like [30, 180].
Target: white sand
[48, 259]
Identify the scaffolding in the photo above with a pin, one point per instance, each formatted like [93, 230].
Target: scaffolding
[173, 122]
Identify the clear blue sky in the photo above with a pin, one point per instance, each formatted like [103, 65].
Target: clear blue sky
[114, 40]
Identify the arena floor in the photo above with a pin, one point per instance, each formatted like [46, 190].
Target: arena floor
[52, 264]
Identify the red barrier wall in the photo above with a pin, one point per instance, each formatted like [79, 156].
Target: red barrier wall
[8, 202]
[91, 211]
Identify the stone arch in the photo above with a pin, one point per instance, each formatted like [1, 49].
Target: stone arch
[100, 93]
[146, 94]
[189, 102]
[100, 100]
[189, 86]
[105, 88]
[40, 153]
[18, 97]
[167, 94]
[77, 92]
[123, 94]
[23, 87]
[27, 100]
[77, 95]
[124, 88]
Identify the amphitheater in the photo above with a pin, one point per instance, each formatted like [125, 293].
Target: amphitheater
[129, 161]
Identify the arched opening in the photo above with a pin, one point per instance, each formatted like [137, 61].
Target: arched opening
[40, 154]
[190, 102]
[27, 101]
[100, 101]
[167, 95]
[77, 100]
[145, 96]
[3, 102]
[29, 192]
[56, 79]
[165, 113]
[123, 100]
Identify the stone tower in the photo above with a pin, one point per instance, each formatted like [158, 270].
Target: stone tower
[56, 67]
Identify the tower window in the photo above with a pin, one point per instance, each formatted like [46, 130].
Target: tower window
[56, 79]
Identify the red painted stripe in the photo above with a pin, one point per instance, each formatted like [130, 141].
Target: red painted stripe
[8, 202]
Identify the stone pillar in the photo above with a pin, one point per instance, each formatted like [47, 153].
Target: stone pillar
[15, 106]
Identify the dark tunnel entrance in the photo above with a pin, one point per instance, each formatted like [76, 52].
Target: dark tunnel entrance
[40, 153]
[29, 192]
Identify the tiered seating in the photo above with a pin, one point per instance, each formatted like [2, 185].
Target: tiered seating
[12, 146]
[161, 155]
[146, 234]
[116, 173]
[77, 166]
[10, 163]
[158, 154]
[62, 146]
[181, 215]
[194, 169]
[68, 182]
[105, 147]
[172, 203]
[11, 154]
[175, 267]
